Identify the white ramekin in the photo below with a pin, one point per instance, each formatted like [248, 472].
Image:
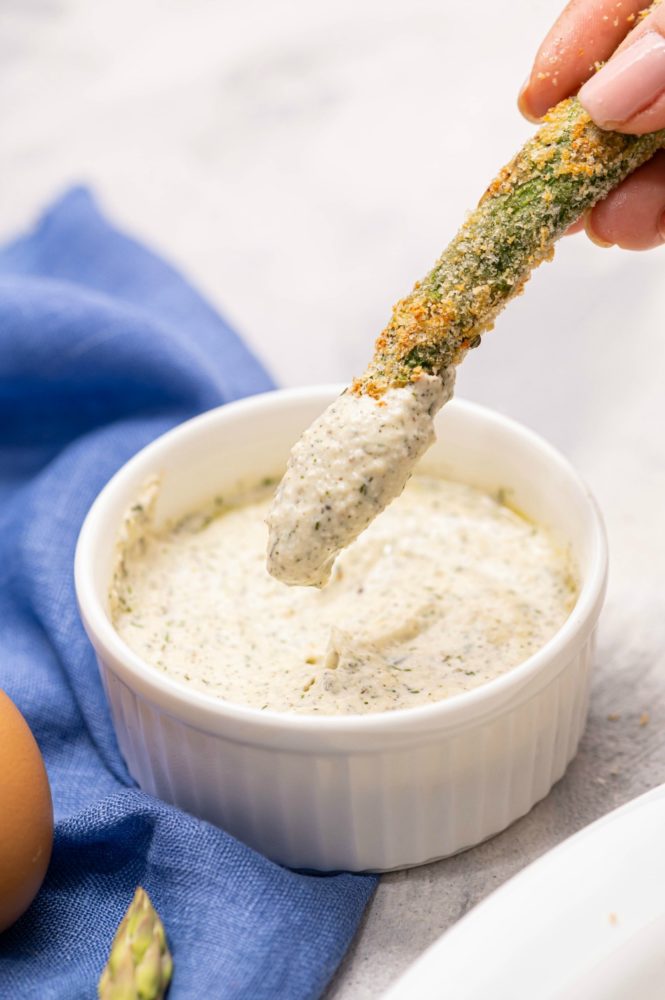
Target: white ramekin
[357, 792]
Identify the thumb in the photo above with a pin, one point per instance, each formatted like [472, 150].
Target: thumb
[628, 93]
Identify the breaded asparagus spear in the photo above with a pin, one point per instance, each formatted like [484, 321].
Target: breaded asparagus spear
[568, 166]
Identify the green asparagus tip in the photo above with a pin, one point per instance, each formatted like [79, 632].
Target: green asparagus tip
[140, 964]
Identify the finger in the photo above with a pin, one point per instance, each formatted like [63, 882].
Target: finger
[628, 94]
[586, 33]
[633, 216]
[576, 227]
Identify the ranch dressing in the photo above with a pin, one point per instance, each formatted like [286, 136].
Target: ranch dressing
[447, 589]
[344, 470]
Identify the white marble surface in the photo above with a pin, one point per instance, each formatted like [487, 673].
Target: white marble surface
[304, 162]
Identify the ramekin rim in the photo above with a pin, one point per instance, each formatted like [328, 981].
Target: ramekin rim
[440, 714]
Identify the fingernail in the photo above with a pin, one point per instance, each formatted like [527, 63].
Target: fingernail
[593, 236]
[628, 83]
[523, 103]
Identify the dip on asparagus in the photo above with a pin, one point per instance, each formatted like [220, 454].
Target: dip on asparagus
[344, 471]
[447, 589]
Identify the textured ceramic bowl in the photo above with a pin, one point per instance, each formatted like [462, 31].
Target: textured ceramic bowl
[372, 792]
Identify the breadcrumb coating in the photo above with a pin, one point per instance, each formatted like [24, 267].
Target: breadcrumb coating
[568, 166]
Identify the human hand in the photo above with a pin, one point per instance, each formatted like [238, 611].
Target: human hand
[626, 95]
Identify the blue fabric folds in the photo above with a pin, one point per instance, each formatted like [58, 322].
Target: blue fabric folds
[103, 346]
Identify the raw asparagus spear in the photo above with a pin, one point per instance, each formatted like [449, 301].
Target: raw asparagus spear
[140, 964]
[567, 167]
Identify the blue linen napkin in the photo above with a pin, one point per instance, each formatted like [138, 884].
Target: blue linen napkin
[103, 346]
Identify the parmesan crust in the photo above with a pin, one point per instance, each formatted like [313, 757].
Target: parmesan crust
[567, 167]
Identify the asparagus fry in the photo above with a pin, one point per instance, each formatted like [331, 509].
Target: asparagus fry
[140, 964]
[568, 166]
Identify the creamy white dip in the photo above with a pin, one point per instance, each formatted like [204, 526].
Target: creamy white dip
[447, 589]
[345, 469]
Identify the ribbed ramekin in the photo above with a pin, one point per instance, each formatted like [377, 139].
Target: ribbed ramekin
[360, 793]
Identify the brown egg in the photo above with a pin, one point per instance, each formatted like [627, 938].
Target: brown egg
[26, 815]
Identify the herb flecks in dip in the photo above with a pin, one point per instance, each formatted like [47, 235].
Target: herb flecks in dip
[345, 469]
[446, 590]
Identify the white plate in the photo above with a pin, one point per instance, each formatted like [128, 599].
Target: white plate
[584, 922]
